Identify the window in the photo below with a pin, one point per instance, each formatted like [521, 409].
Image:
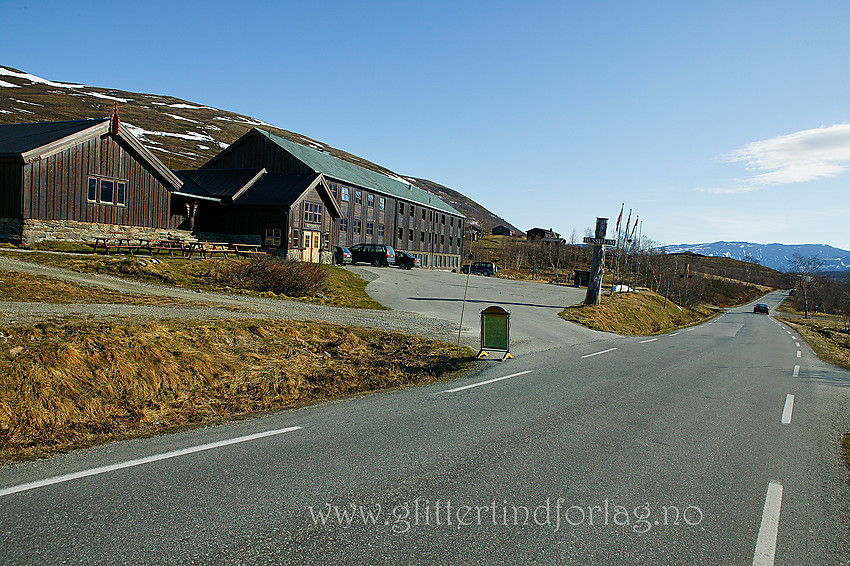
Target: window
[343, 224]
[382, 203]
[358, 197]
[370, 201]
[295, 239]
[422, 237]
[401, 233]
[313, 212]
[424, 212]
[401, 208]
[344, 191]
[370, 228]
[380, 229]
[357, 226]
[326, 237]
[431, 216]
[107, 191]
[273, 237]
[452, 221]
[444, 219]
[458, 242]
[442, 239]
[410, 235]
[411, 210]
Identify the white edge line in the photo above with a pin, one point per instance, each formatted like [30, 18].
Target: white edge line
[480, 383]
[788, 409]
[141, 461]
[766, 542]
[796, 372]
[597, 353]
[650, 340]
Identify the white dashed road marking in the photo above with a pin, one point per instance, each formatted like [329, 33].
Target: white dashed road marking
[597, 353]
[789, 407]
[141, 461]
[766, 542]
[480, 383]
[796, 372]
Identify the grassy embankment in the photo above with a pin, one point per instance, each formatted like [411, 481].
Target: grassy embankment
[826, 334]
[341, 287]
[73, 383]
[638, 314]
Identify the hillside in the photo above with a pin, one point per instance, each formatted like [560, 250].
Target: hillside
[775, 256]
[182, 134]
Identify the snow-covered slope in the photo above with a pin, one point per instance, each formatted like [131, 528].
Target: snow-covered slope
[775, 256]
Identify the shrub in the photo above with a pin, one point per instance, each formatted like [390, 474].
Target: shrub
[280, 276]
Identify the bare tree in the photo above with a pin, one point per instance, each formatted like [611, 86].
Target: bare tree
[748, 261]
[805, 269]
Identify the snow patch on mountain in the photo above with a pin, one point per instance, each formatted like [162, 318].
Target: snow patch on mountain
[775, 256]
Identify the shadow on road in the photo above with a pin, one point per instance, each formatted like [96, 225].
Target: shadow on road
[558, 306]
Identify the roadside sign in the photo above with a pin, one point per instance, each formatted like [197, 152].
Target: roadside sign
[598, 241]
[495, 331]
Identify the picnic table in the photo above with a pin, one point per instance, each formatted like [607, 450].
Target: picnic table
[248, 250]
[210, 249]
[117, 244]
[169, 245]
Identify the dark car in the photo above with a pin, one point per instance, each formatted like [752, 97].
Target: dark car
[342, 255]
[486, 268]
[761, 307]
[376, 254]
[405, 260]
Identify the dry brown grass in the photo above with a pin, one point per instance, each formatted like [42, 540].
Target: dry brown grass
[15, 286]
[636, 314]
[70, 384]
[828, 338]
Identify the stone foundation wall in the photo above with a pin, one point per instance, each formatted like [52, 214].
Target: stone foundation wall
[32, 231]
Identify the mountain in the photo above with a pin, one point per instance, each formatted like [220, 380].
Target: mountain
[182, 134]
[775, 256]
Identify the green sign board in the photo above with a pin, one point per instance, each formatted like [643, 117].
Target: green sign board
[495, 329]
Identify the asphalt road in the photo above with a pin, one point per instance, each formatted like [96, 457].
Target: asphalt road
[664, 450]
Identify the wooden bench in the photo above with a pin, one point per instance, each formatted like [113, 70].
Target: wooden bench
[209, 249]
[249, 250]
[170, 246]
[118, 244]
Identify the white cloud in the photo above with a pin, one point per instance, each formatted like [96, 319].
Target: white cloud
[808, 155]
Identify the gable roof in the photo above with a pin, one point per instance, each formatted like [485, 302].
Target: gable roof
[252, 187]
[225, 184]
[38, 140]
[336, 168]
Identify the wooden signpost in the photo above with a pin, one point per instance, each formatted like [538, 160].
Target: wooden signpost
[597, 267]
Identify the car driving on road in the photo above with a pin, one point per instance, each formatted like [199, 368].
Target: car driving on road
[761, 308]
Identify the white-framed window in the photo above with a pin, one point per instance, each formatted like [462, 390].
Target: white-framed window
[370, 201]
[103, 190]
[343, 224]
[344, 192]
[382, 203]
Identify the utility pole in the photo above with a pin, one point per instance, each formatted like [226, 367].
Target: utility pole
[597, 268]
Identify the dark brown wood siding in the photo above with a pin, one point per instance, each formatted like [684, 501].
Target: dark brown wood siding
[257, 151]
[56, 188]
[11, 175]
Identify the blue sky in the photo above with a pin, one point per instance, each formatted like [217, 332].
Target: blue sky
[712, 120]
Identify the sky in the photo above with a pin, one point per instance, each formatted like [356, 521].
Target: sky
[709, 120]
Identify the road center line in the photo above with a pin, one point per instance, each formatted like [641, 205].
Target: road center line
[799, 354]
[797, 344]
[789, 407]
[650, 340]
[597, 353]
[674, 334]
[766, 542]
[480, 383]
[141, 461]
[796, 372]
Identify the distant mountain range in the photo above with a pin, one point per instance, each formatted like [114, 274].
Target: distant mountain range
[775, 256]
[183, 135]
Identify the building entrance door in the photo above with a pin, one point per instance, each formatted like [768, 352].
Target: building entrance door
[312, 244]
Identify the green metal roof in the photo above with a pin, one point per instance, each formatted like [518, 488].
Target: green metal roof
[336, 168]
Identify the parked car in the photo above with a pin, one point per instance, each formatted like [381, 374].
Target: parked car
[376, 254]
[761, 307]
[342, 255]
[486, 268]
[406, 261]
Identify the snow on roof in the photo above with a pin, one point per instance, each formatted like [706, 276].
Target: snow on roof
[35, 79]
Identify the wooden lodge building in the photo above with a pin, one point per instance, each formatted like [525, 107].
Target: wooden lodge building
[83, 179]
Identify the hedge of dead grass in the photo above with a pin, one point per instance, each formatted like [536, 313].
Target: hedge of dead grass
[75, 383]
